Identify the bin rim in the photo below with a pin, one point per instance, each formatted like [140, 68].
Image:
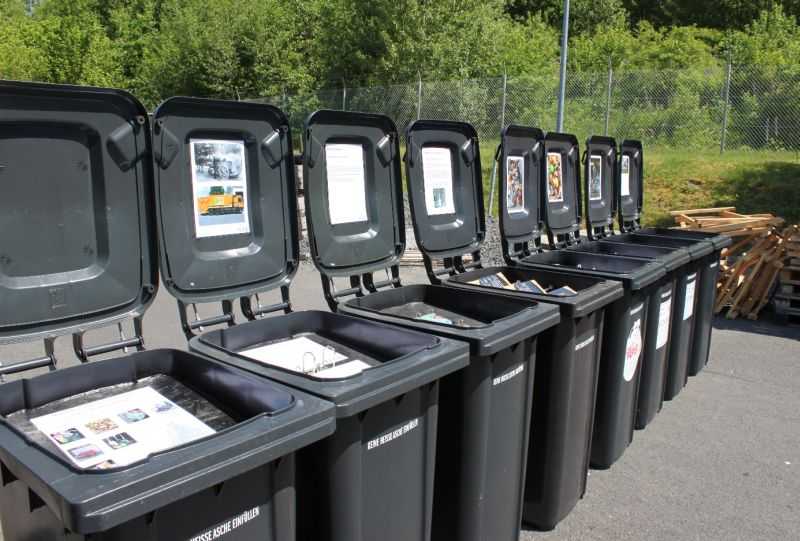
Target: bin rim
[348, 259]
[124, 152]
[275, 150]
[513, 225]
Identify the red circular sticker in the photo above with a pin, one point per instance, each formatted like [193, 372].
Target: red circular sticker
[633, 350]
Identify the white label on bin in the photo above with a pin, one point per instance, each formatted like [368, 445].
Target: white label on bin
[633, 350]
[347, 199]
[120, 430]
[393, 435]
[230, 525]
[664, 317]
[508, 375]
[437, 175]
[584, 343]
[713, 265]
[688, 307]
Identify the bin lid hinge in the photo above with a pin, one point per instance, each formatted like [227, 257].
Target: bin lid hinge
[600, 232]
[49, 361]
[514, 252]
[451, 266]
[84, 353]
[198, 324]
[630, 226]
[563, 240]
[256, 310]
[333, 295]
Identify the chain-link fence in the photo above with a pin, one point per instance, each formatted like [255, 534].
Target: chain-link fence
[727, 107]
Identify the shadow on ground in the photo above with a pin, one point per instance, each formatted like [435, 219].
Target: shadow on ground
[768, 187]
[768, 324]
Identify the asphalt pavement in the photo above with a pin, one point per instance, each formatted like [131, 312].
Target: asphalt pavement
[720, 462]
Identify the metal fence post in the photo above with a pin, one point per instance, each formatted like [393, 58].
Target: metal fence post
[419, 95]
[344, 96]
[494, 162]
[608, 95]
[726, 106]
[562, 83]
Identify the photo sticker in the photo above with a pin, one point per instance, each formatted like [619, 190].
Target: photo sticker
[219, 182]
[515, 184]
[595, 178]
[439, 198]
[133, 416]
[555, 178]
[118, 441]
[67, 436]
[161, 407]
[101, 425]
[85, 452]
[625, 177]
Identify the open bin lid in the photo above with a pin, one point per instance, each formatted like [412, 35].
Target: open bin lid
[630, 183]
[443, 168]
[600, 171]
[226, 200]
[77, 247]
[561, 198]
[521, 157]
[354, 195]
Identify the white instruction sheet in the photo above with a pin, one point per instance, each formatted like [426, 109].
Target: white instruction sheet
[305, 356]
[625, 177]
[347, 195]
[437, 172]
[122, 429]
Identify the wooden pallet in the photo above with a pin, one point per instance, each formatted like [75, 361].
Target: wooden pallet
[757, 263]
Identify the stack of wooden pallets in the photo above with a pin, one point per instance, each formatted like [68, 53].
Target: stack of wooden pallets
[755, 261]
[787, 298]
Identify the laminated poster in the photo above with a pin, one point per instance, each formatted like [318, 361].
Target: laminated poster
[437, 173]
[347, 196]
[219, 184]
[595, 178]
[625, 177]
[515, 184]
[555, 178]
[305, 356]
[120, 430]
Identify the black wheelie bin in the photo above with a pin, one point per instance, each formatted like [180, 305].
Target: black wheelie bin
[159, 444]
[600, 172]
[373, 478]
[567, 354]
[484, 409]
[624, 332]
[705, 249]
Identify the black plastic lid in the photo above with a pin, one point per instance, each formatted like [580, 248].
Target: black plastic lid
[630, 182]
[600, 163]
[449, 216]
[561, 190]
[521, 150]
[77, 247]
[226, 198]
[358, 226]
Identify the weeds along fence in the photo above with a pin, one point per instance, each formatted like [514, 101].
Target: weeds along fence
[727, 107]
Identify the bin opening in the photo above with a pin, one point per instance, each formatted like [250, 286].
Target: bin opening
[553, 283]
[586, 261]
[113, 415]
[319, 345]
[437, 305]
